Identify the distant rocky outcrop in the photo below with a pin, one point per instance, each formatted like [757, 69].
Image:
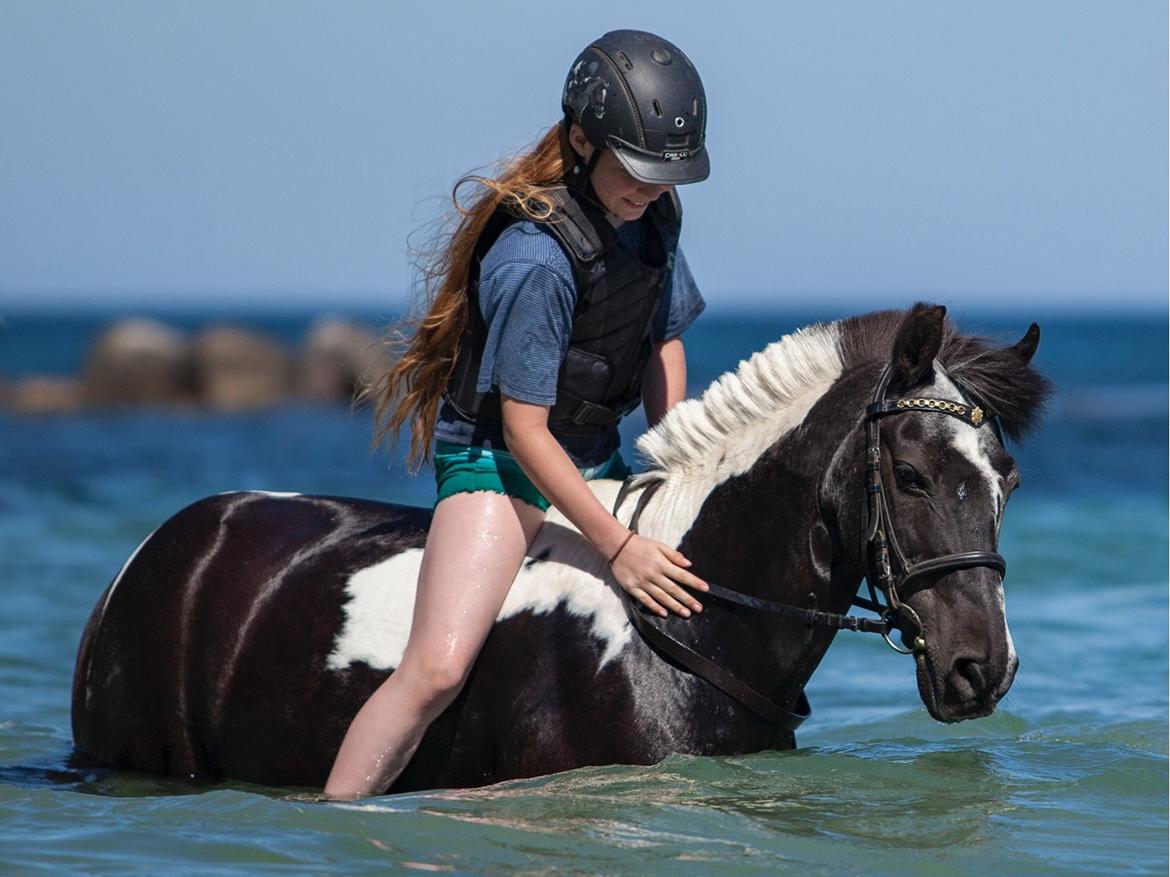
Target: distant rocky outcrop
[237, 369]
[43, 394]
[139, 362]
[339, 360]
[142, 362]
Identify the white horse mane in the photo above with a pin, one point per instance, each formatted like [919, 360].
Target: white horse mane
[703, 442]
[752, 403]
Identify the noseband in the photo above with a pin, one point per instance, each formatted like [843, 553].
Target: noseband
[887, 568]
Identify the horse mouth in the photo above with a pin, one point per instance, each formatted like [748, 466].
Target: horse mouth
[946, 703]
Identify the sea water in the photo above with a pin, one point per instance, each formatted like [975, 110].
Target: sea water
[1068, 777]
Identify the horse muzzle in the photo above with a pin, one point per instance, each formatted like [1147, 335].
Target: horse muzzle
[964, 687]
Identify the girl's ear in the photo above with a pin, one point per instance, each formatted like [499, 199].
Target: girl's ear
[580, 142]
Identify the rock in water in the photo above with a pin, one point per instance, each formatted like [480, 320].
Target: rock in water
[139, 362]
[237, 369]
[339, 359]
[43, 394]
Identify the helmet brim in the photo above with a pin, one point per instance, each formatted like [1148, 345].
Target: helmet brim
[648, 167]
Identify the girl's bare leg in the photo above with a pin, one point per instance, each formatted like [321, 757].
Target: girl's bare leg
[475, 546]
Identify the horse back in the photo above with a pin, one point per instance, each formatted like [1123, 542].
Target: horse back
[245, 633]
[207, 654]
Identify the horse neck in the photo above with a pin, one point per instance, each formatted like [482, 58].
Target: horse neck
[755, 531]
[770, 533]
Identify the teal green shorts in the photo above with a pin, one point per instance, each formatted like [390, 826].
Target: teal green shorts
[468, 468]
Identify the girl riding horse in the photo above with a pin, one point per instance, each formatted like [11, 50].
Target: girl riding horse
[557, 305]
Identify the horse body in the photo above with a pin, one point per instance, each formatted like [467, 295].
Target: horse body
[261, 650]
[243, 635]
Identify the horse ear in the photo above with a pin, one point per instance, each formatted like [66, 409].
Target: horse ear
[1026, 346]
[916, 344]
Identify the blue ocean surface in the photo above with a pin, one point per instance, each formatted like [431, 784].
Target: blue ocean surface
[1069, 776]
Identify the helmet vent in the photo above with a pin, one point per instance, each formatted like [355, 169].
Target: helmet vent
[694, 106]
[657, 107]
[625, 61]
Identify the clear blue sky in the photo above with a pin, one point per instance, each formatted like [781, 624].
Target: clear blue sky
[998, 154]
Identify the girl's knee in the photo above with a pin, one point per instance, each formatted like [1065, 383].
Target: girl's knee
[434, 682]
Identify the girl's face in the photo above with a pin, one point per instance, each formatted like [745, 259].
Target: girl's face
[623, 196]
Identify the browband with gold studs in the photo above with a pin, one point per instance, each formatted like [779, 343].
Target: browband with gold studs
[972, 414]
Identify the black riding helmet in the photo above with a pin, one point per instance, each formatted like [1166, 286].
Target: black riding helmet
[639, 95]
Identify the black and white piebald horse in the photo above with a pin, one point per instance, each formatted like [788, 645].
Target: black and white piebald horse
[243, 634]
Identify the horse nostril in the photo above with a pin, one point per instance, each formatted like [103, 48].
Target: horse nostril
[971, 677]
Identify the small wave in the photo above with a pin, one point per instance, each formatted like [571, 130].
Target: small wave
[1147, 737]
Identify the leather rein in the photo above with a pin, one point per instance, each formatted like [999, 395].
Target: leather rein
[887, 569]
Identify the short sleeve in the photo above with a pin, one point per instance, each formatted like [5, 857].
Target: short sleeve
[681, 304]
[527, 297]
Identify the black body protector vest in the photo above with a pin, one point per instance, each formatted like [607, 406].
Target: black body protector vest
[618, 293]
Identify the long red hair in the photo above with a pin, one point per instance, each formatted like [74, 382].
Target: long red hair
[409, 393]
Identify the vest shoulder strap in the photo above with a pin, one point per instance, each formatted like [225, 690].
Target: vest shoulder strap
[570, 225]
[573, 227]
[500, 219]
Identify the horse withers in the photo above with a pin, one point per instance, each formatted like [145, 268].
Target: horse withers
[245, 632]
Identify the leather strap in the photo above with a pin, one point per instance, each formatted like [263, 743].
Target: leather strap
[952, 562]
[733, 687]
[728, 683]
[812, 617]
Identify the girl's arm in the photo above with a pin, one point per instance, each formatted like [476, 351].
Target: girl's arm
[664, 383]
[652, 572]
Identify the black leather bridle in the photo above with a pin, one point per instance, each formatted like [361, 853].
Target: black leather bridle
[887, 568]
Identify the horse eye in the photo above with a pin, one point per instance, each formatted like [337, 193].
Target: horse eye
[908, 477]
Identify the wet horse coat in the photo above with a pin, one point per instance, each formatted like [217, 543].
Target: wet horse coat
[243, 635]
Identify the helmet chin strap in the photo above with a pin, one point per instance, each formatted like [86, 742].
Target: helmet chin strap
[580, 175]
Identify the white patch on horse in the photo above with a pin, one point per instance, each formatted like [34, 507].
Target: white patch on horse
[574, 575]
[970, 442]
[703, 442]
[1011, 646]
[377, 616]
[381, 597]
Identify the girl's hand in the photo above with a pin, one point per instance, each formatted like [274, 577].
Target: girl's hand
[654, 574]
